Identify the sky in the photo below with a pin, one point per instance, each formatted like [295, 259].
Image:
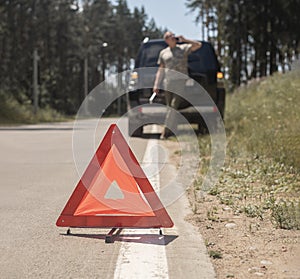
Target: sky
[170, 14]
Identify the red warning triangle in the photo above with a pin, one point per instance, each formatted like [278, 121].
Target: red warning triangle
[114, 191]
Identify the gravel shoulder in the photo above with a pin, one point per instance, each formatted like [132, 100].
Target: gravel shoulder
[241, 246]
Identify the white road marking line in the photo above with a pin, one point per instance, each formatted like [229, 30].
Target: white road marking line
[144, 255]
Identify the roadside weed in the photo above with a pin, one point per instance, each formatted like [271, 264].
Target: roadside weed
[261, 177]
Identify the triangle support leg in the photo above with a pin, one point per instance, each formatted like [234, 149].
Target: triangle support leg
[109, 238]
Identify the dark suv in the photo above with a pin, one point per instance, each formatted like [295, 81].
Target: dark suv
[203, 67]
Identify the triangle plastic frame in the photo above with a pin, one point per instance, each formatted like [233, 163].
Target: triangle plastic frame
[157, 219]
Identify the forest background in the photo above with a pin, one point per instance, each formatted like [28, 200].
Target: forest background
[77, 44]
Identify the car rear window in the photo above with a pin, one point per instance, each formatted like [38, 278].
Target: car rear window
[150, 53]
[203, 60]
[200, 61]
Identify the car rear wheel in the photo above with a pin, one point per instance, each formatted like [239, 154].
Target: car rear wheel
[133, 131]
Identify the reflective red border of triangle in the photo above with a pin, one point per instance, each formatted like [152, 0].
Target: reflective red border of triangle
[160, 218]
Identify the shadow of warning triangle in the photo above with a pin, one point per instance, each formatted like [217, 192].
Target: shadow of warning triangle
[114, 191]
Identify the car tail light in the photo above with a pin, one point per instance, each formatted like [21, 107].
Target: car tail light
[220, 75]
[134, 75]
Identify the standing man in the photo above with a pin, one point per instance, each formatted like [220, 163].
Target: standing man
[174, 57]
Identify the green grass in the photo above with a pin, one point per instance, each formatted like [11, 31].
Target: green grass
[12, 112]
[261, 177]
[215, 254]
[266, 116]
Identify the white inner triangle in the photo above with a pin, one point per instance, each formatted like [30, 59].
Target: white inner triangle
[114, 192]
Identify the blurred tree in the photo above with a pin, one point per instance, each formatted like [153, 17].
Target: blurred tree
[258, 37]
[72, 38]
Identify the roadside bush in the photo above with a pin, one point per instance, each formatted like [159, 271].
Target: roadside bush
[12, 112]
[286, 215]
[261, 176]
[264, 118]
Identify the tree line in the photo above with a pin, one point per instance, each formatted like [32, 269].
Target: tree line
[78, 41]
[74, 40]
[253, 38]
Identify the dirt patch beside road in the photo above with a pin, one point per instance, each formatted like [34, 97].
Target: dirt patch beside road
[243, 247]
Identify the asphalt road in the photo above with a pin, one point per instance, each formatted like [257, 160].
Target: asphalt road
[38, 175]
